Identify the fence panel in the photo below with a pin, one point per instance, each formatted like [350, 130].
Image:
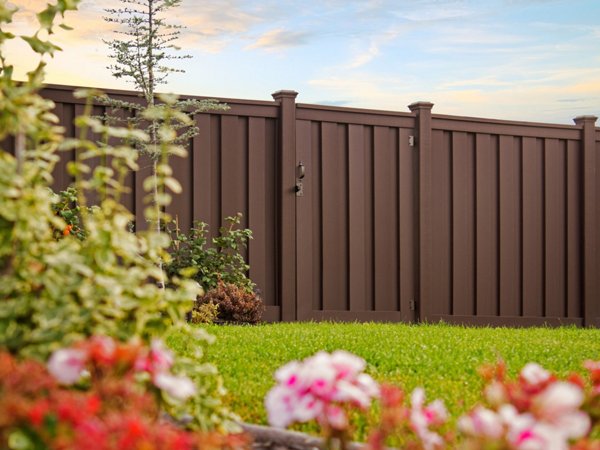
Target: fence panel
[507, 223]
[404, 216]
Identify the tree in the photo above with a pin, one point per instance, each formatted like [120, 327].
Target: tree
[141, 54]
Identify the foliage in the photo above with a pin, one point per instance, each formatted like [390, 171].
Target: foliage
[440, 358]
[235, 304]
[537, 411]
[220, 261]
[54, 292]
[141, 54]
[64, 205]
[204, 313]
[116, 404]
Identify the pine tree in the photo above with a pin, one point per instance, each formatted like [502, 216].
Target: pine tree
[141, 52]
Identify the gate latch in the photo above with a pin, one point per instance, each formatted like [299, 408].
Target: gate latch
[300, 173]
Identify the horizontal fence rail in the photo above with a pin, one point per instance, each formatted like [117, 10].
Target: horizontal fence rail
[393, 216]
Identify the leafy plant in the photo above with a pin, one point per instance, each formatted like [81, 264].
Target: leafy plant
[64, 205]
[235, 304]
[220, 261]
[116, 404]
[54, 292]
[204, 313]
[145, 45]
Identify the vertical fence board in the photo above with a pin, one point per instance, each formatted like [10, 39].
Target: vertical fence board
[510, 227]
[533, 228]
[487, 225]
[463, 225]
[334, 219]
[257, 205]
[407, 162]
[574, 213]
[555, 189]
[181, 204]
[357, 218]
[304, 222]
[441, 270]
[385, 164]
[369, 171]
[315, 191]
[233, 173]
[202, 169]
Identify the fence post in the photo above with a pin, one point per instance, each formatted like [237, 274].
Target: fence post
[423, 124]
[287, 203]
[591, 293]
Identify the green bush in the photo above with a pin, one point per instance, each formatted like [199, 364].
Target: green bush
[235, 304]
[210, 263]
[204, 313]
[55, 292]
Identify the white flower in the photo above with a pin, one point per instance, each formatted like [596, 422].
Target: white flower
[482, 422]
[422, 417]
[178, 387]
[534, 374]
[67, 364]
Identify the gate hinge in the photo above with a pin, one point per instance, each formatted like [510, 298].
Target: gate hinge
[412, 304]
[411, 141]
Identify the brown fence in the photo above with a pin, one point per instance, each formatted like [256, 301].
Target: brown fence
[384, 216]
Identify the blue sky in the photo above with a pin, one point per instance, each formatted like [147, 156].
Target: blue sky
[536, 60]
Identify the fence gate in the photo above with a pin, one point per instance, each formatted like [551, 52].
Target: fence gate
[355, 203]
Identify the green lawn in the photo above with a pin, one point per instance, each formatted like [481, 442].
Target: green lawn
[441, 358]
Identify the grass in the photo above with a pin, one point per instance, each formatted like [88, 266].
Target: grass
[441, 358]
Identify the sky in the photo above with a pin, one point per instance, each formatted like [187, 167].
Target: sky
[533, 60]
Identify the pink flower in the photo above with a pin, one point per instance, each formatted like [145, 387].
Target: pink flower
[482, 423]
[67, 364]
[534, 374]
[558, 405]
[158, 360]
[317, 387]
[422, 417]
[178, 387]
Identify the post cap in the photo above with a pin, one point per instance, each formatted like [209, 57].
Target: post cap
[582, 119]
[284, 94]
[419, 106]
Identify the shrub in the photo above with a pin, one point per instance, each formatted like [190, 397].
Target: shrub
[204, 313]
[234, 303]
[55, 292]
[116, 404]
[220, 261]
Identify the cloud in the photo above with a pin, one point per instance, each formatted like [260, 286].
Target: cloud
[279, 39]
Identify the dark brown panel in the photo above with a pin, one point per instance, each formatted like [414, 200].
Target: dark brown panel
[257, 176]
[304, 222]
[315, 190]
[507, 321]
[180, 208]
[463, 232]
[357, 218]
[504, 128]
[335, 234]
[574, 227]
[533, 228]
[202, 166]
[487, 224]
[385, 228]
[356, 316]
[233, 167]
[270, 288]
[441, 270]
[66, 115]
[510, 226]
[370, 218]
[359, 118]
[407, 169]
[555, 189]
